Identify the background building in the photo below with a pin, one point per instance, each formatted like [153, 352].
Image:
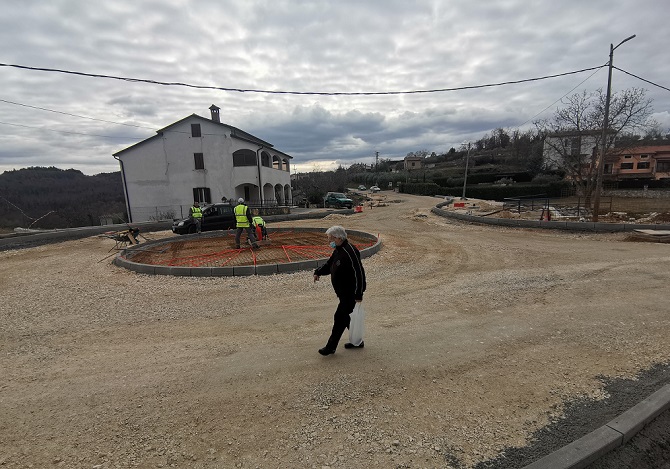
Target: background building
[643, 162]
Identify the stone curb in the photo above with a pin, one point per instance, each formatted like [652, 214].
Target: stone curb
[237, 271]
[591, 447]
[548, 225]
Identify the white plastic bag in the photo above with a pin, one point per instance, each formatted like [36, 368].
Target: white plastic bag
[357, 325]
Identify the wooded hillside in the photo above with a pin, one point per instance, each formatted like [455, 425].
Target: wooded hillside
[40, 197]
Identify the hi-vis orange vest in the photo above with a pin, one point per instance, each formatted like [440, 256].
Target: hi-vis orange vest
[241, 216]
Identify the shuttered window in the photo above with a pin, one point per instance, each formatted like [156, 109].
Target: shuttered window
[199, 160]
[202, 195]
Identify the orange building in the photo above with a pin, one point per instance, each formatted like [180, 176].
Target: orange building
[643, 162]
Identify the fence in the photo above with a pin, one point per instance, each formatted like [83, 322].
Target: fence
[574, 206]
[271, 203]
[170, 212]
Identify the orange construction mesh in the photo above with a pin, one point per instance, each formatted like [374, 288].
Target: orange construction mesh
[220, 251]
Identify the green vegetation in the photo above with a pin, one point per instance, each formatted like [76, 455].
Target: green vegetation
[39, 197]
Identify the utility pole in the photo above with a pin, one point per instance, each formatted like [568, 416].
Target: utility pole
[465, 178]
[376, 160]
[603, 139]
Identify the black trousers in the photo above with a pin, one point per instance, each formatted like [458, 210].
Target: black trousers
[341, 321]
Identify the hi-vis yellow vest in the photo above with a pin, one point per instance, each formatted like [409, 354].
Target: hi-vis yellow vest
[258, 221]
[196, 212]
[241, 216]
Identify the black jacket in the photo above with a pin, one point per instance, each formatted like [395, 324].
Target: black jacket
[346, 271]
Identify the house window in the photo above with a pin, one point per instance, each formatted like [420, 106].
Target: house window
[199, 161]
[663, 166]
[643, 165]
[627, 156]
[626, 166]
[608, 168]
[644, 156]
[195, 130]
[244, 158]
[265, 159]
[202, 194]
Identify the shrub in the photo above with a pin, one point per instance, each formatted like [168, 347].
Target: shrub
[487, 191]
[420, 188]
[546, 178]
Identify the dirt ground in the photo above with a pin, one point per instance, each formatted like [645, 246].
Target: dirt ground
[476, 337]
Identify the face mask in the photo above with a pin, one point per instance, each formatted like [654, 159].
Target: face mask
[333, 245]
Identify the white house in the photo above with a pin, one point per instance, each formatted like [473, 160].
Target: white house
[203, 160]
[578, 146]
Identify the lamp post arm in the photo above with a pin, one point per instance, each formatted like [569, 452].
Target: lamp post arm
[625, 40]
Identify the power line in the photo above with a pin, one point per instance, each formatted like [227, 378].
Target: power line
[573, 89]
[73, 115]
[81, 117]
[85, 117]
[67, 132]
[320, 93]
[640, 78]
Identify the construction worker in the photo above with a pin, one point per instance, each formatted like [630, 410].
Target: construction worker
[243, 222]
[195, 213]
[260, 223]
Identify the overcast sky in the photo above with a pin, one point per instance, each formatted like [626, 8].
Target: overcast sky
[309, 46]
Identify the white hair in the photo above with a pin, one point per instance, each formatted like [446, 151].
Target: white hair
[240, 200]
[337, 232]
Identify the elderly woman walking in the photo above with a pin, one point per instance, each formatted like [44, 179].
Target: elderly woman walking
[348, 279]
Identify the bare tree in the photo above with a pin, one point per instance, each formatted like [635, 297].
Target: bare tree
[574, 133]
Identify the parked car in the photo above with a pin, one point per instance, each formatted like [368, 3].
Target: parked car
[214, 217]
[337, 200]
[374, 189]
[361, 187]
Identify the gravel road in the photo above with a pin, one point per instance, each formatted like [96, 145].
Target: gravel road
[479, 339]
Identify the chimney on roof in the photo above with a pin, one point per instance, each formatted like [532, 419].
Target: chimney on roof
[215, 114]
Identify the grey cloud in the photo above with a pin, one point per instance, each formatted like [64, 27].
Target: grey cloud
[348, 45]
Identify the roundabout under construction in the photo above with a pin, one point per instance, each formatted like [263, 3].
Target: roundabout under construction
[214, 254]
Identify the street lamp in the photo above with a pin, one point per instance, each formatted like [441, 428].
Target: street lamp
[465, 178]
[603, 139]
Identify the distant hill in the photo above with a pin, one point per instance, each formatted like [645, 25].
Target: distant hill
[74, 199]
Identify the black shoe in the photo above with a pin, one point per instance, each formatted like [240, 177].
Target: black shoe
[326, 351]
[350, 345]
